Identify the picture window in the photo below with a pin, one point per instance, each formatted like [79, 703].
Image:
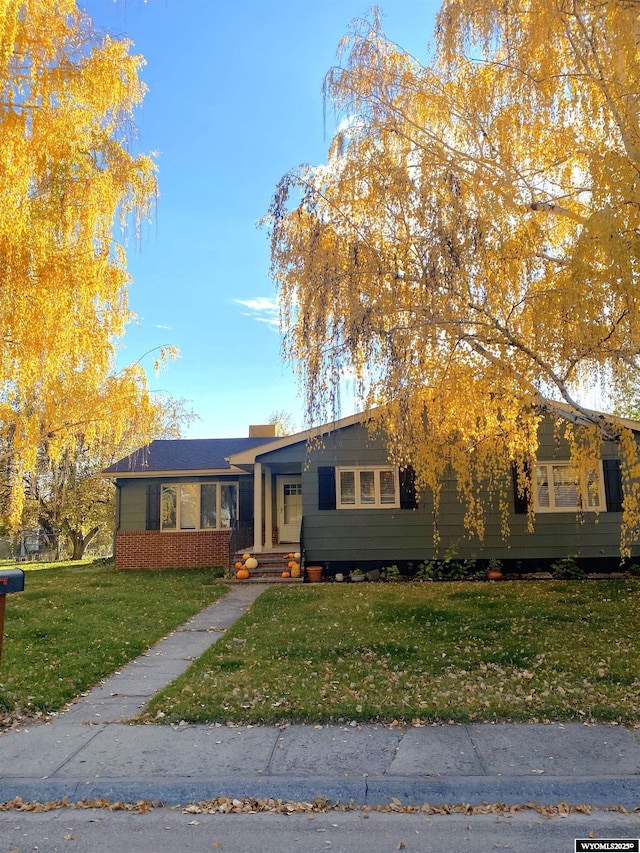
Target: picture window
[557, 488]
[367, 488]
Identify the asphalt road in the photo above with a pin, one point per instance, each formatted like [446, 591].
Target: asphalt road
[166, 830]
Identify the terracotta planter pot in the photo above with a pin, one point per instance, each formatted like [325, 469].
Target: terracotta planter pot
[314, 574]
[494, 575]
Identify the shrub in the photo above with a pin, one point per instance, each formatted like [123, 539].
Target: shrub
[567, 568]
[449, 569]
[390, 573]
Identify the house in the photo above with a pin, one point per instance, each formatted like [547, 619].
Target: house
[196, 502]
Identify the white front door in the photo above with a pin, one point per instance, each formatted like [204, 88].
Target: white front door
[289, 506]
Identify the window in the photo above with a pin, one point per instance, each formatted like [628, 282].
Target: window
[199, 506]
[557, 488]
[362, 488]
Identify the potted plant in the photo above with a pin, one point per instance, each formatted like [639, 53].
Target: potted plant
[357, 575]
[494, 571]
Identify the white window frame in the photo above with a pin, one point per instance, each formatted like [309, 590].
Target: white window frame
[177, 486]
[550, 464]
[377, 503]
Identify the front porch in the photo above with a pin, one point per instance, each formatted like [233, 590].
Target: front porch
[277, 509]
[270, 530]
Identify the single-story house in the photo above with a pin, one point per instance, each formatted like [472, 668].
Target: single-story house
[198, 502]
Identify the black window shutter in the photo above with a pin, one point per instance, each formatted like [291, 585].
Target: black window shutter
[326, 487]
[612, 484]
[408, 497]
[520, 502]
[153, 506]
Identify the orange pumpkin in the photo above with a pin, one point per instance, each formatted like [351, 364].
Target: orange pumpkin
[286, 574]
[290, 556]
[291, 564]
[242, 574]
[239, 565]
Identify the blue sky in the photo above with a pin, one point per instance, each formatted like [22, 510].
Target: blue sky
[234, 102]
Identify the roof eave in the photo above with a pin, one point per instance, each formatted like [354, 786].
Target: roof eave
[248, 457]
[183, 472]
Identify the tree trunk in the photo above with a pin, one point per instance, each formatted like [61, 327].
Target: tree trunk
[79, 541]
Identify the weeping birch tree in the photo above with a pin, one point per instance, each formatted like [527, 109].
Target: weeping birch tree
[71, 191]
[470, 251]
[68, 497]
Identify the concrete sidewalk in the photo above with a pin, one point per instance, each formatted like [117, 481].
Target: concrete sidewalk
[90, 752]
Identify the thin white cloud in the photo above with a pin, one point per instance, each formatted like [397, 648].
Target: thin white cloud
[263, 309]
[348, 122]
[160, 326]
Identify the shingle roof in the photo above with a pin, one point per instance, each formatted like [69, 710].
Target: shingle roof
[183, 454]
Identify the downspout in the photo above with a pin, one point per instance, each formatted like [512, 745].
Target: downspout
[118, 518]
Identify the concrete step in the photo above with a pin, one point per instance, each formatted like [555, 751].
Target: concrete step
[271, 564]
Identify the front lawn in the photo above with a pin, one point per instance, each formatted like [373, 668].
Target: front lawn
[78, 622]
[460, 652]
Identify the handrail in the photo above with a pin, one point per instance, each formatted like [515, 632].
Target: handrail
[233, 547]
[240, 538]
[302, 552]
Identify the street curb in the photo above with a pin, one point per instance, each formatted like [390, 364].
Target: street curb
[623, 792]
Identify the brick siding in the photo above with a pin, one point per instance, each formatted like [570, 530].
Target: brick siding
[152, 549]
[274, 537]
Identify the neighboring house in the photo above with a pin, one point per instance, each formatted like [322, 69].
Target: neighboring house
[34, 544]
[195, 502]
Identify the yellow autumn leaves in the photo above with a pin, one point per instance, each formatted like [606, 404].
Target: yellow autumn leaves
[470, 250]
[69, 185]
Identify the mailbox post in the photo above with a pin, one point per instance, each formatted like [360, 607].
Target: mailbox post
[11, 580]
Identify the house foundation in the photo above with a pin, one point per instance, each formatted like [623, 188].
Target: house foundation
[189, 549]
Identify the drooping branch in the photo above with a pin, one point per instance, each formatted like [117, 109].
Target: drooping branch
[470, 252]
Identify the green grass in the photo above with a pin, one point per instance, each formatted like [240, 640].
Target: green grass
[78, 622]
[455, 652]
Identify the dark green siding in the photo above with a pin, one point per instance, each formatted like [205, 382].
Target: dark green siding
[395, 535]
[294, 453]
[133, 504]
[359, 534]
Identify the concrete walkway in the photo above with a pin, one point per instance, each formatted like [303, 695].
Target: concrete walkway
[89, 751]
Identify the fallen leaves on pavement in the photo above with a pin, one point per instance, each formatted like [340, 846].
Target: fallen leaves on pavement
[249, 805]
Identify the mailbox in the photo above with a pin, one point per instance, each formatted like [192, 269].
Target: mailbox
[11, 580]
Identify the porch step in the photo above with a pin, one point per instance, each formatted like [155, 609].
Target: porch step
[271, 564]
